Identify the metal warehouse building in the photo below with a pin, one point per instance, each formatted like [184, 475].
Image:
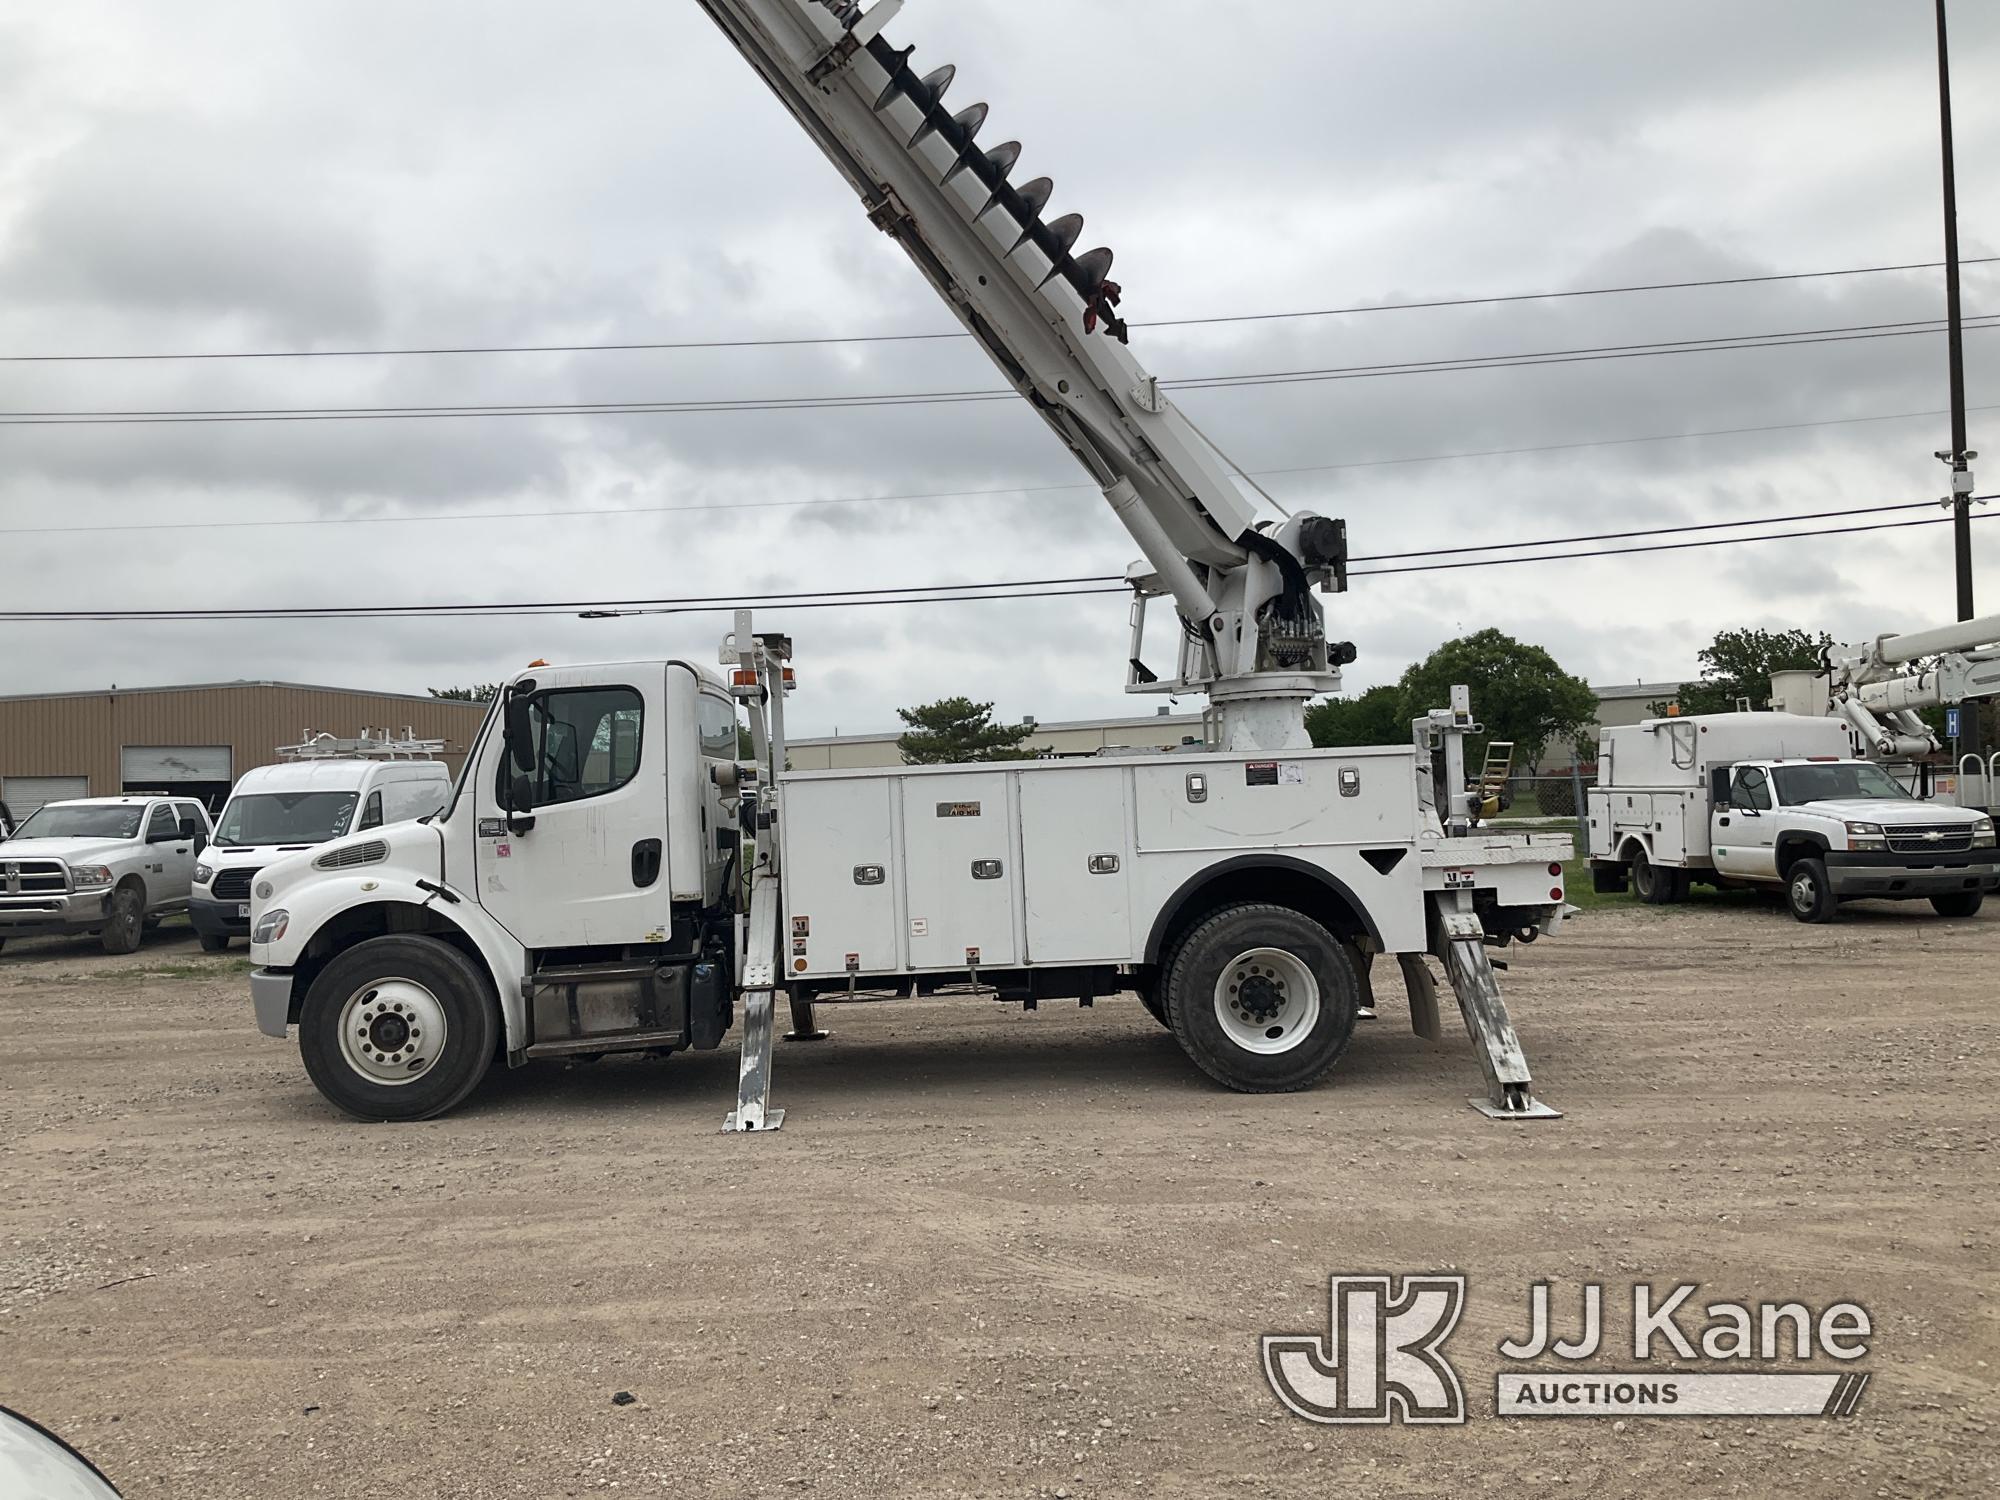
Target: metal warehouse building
[193, 740]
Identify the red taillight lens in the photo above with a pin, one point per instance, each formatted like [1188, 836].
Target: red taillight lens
[1555, 869]
[1556, 894]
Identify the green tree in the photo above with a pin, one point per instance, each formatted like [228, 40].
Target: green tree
[1739, 663]
[1376, 717]
[479, 692]
[957, 729]
[1519, 693]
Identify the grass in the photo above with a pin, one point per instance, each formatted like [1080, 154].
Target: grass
[189, 968]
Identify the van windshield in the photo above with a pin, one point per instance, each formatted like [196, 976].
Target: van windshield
[285, 818]
[1835, 781]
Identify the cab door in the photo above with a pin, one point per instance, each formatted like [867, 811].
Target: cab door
[582, 863]
[1743, 836]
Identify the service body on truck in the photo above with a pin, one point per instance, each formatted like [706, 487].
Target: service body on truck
[1776, 800]
[108, 865]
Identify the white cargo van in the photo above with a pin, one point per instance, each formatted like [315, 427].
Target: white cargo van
[282, 809]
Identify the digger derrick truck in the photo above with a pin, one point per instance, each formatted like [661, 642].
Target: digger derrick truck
[608, 876]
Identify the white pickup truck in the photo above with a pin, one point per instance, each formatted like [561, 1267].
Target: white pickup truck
[109, 865]
[1776, 800]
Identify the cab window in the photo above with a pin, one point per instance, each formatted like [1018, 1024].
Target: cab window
[163, 824]
[1752, 789]
[585, 743]
[718, 727]
[371, 813]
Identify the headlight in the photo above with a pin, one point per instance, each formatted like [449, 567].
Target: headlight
[271, 926]
[1982, 834]
[89, 877]
[1866, 836]
[203, 874]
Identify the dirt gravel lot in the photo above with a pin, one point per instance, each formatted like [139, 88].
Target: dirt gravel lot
[996, 1253]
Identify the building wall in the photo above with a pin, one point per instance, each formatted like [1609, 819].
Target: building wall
[84, 734]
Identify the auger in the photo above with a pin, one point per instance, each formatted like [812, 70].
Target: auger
[1252, 636]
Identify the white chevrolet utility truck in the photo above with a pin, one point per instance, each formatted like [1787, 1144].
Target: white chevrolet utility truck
[585, 891]
[109, 865]
[1776, 800]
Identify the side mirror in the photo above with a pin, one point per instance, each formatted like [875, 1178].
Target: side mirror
[521, 794]
[519, 732]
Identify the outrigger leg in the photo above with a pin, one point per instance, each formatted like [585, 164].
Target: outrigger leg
[760, 996]
[1509, 1088]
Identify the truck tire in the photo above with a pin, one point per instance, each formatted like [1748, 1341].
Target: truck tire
[124, 919]
[1808, 893]
[1262, 998]
[1959, 904]
[1653, 885]
[398, 1028]
[214, 942]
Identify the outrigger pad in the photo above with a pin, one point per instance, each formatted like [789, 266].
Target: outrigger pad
[1532, 1109]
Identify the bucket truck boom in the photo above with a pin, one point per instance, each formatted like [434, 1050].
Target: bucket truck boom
[1879, 686]
[1252, 636]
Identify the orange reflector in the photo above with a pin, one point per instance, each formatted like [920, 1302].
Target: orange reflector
[538, 662]
[743, 677]
[788, 677]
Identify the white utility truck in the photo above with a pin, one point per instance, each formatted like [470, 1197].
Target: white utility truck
[321, 788]
[581, 893]
[115, 866]
[1775, 800]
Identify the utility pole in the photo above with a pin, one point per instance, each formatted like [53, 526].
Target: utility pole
[1958, 458]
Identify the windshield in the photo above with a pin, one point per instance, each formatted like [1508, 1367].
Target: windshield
[82, 821]
[286, 818]
[1836, 781]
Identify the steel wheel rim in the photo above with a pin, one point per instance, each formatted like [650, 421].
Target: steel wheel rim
[1805, 890]
[1267, 1001]
[392, 1031]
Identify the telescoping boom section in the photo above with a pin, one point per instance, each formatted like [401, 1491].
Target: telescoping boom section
[1251, 636]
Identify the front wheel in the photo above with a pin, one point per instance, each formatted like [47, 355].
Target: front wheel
[214, 942]
[398, 1028]
[1808, 893]
[124, 920]
[1263, 998]
[1959, 904]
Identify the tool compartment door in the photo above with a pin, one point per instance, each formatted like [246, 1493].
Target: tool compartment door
[956, 830]
[1076, 913]
[838, 836]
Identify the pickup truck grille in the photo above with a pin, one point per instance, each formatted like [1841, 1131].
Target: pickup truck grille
[233, 885]
[33, 877]
[1939, 838]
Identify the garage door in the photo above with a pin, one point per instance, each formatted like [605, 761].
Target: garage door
[172, 765]
[23, 794]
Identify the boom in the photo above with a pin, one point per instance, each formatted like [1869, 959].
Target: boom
[1878, 686]
[1253, 637]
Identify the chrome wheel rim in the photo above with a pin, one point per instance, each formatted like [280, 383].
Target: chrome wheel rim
[392, 1031]
[1267, 1001]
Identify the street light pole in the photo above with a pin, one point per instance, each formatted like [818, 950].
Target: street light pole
[1958, 458]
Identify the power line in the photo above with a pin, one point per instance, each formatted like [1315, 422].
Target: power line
[894, 338]
[1725, 344]
[1016, 489]
[1101, 583]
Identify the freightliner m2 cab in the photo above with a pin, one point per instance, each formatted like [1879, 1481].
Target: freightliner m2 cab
[1776, 800]
[584, 892]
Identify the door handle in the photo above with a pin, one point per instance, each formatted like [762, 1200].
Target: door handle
[645, 862]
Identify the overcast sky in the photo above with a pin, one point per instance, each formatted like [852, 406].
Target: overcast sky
[213, 177]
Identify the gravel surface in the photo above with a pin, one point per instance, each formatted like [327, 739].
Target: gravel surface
[996, 1253]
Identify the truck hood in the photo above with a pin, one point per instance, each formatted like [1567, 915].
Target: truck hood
[1889, 814]
[70, 851]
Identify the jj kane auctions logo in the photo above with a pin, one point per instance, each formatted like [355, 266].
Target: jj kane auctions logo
[1382, 1357]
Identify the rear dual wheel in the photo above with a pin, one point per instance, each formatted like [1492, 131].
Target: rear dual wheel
[1263, 998]
[1656, 886]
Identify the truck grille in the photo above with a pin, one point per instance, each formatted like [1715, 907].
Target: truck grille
[33, 877]
[1939, 838]
[233, 885]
